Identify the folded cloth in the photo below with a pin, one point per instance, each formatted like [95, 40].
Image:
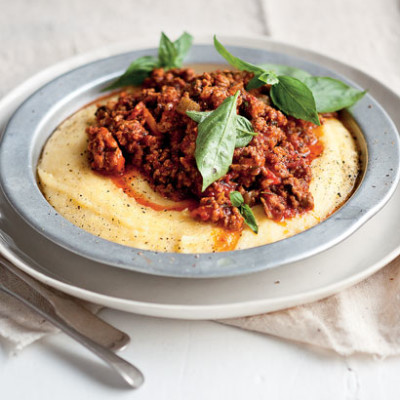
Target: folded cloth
[19, 326]
[362, 319]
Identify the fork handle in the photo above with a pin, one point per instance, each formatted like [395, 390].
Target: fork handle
[127, 371]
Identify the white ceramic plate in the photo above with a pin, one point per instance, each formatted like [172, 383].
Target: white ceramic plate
[370, 248]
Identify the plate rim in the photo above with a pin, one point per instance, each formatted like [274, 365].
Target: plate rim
[182, 269]
[198, 312]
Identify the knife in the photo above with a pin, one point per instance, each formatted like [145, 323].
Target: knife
[61, 306]
[70, 317]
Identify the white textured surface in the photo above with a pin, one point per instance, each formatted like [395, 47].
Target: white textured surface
[37, 34]
[363, 33]
[196, 360]
[185, 360]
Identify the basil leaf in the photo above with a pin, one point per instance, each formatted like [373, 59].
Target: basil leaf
[261, 76]
[293, 90]
[236, 199]
[198, 116]
[244, 128]
[294, 98]
[291, 96]
[269, 78]
[257, 81]
[215, 142]
[331, 94]
[249, 217]
[167, 52]
[235, 61]
[244, 209]
[244, 131]
[136, 73]
[278, 69]
[254, 83]
[183, 45]
[170, 55]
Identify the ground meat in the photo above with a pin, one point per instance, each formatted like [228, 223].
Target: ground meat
[149, 130]
[106, 155]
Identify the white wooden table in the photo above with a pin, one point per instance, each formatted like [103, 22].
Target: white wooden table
[187, 359]
[195, 360]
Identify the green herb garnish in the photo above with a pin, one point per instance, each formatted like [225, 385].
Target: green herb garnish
[265, 78]
[331, 94]
[244, 128]
[215, 141]
[293, 96]
[295, 91]
[244, 131]
[219, 133]
[244, 209]
[136, 73]
[198, 116]
[259, 72]
[286, 70]
[170, 55]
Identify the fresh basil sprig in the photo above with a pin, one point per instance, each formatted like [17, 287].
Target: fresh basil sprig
[265, 78]
[244, 131]
[329, 94]
[291, 95]
[294, 72]
[244, 128]
[136, 73]
[170, 55]
[244, 209]
[216, 140]
[294, 98]
[259, 72]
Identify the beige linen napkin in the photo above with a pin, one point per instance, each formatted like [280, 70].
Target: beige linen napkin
[19, 326]
[362, 319]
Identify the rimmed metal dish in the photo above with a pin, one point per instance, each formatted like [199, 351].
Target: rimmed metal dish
[41, 113]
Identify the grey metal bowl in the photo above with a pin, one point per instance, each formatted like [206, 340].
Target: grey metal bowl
[40, 114]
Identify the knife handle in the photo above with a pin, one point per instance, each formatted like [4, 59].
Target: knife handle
[66, 308]
[127, 371]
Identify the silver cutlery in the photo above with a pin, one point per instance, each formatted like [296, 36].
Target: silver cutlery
[92, 332]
